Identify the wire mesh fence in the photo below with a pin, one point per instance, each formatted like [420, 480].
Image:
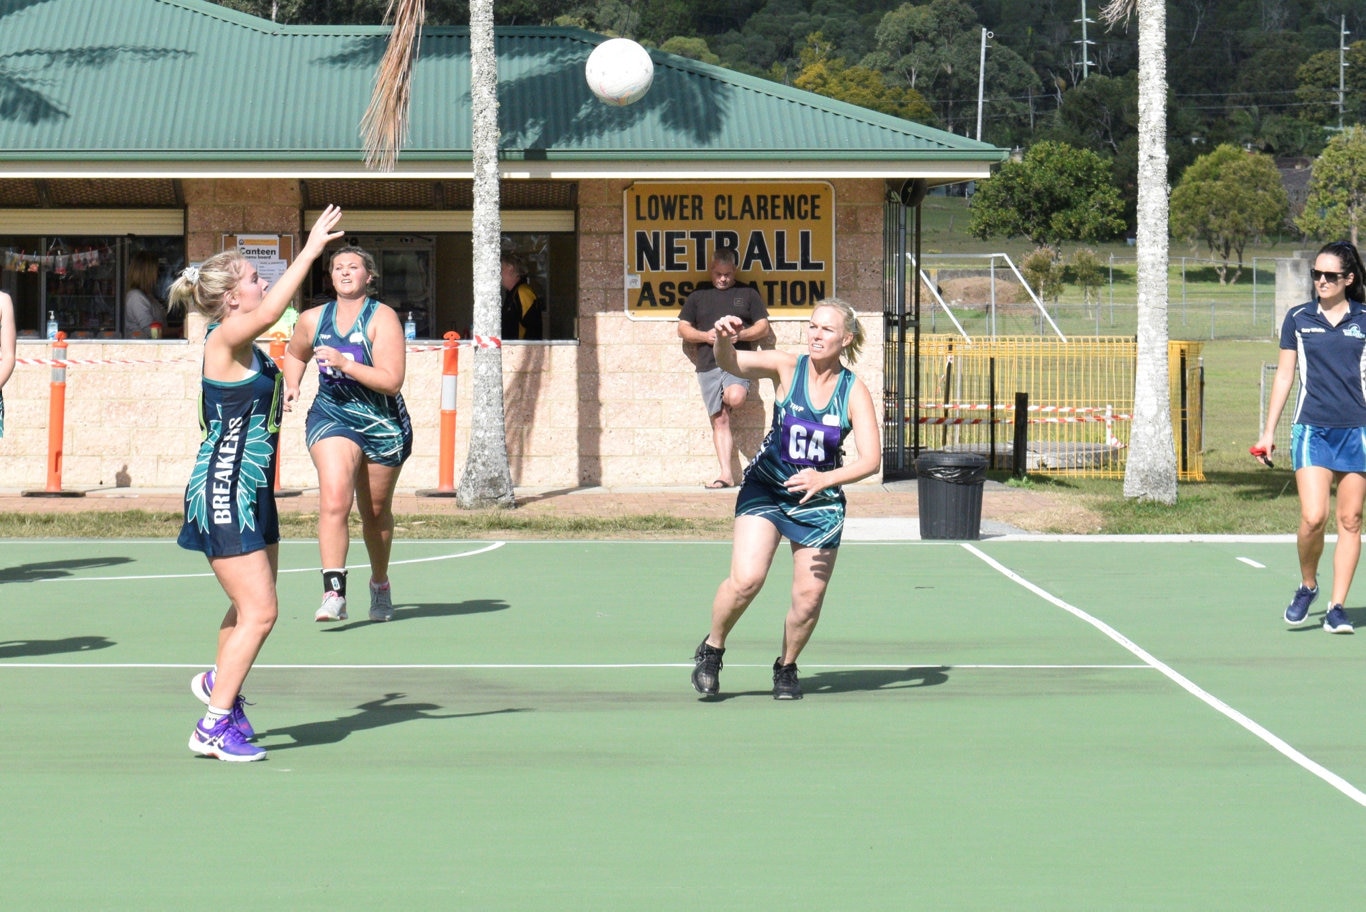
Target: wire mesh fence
[987, 295]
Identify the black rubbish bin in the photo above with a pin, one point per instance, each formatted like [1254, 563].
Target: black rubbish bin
[950, 490]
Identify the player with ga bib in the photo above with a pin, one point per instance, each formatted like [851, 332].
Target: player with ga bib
[793, 486]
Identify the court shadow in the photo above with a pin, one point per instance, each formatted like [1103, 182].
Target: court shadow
[14, 649]
[723, 696]
[853, 680]
[428, 610]
[862, 679]
[49, 570]
[375, 714]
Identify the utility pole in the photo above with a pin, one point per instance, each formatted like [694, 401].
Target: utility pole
[982, 80]
[1342, 69]
[1085, 42]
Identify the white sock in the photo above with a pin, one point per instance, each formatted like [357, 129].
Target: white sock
[212, 715]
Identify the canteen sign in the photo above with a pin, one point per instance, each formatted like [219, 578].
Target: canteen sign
[782, 232]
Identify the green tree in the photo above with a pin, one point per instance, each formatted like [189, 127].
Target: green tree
[692, 48]
[1085, 271]
[609, 17]
[1336, 205]
[935, 48]
[1056, 193]
[1099, 113]
[1227, 199]
[825, 73]
[1044, 273]
[1318, 86]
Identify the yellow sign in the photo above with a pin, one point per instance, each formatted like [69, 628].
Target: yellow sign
[783, 232]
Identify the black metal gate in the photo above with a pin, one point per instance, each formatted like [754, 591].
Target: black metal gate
[901, 329]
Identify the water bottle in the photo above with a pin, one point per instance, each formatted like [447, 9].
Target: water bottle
[52, 326]
[410, 327]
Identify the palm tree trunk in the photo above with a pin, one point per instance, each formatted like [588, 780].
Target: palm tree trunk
[487, 481]
[1150, 470]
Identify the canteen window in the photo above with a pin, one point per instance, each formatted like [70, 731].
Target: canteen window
[431, 275]
[82, 280]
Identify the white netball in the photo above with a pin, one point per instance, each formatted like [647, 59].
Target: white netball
[619, 71]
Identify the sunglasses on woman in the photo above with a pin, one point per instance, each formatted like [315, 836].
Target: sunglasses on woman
[1332, 278]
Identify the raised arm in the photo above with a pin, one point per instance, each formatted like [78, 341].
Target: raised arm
[752, 365]
[278, 295]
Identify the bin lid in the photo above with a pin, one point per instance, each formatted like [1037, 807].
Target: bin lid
[951, 459]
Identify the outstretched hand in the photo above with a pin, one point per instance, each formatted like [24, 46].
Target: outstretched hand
[323, 231]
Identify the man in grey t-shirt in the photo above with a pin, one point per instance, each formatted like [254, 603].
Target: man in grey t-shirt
[721, 391]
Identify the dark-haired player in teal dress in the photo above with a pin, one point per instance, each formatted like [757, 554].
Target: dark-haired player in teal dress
[375, 421]
[358, 430]
[792, 487]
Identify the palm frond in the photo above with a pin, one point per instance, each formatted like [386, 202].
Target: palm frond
[1117, 11]
[385, 124]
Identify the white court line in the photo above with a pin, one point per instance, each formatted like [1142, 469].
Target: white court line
[1183, 682]
[170, 576]
[1252, 563]
[532, 666]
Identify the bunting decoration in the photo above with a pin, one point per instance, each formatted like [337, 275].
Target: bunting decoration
[59, 263]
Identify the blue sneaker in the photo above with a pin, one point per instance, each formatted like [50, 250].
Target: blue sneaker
[1298, 609]
[224, 742]
[1335, 621]
[201, 685]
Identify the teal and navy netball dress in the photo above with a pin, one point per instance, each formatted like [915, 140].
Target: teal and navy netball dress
[802, 437]
[375, 422]
[1329, 427]
[230, 500]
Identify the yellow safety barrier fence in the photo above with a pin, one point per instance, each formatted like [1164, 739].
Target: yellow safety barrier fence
[1080, 401]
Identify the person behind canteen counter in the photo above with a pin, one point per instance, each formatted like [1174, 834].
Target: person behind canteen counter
[140, 305]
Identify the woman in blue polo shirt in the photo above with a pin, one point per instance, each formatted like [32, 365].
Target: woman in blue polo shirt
[1325, 340]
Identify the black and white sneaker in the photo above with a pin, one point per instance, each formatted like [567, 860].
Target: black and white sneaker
[785, 683]
[706, 673]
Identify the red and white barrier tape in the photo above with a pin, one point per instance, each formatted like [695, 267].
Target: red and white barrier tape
[477, 341]
[67, 362]
[1004, 407]
[1079, 419]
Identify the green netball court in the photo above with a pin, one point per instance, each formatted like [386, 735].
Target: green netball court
[1005, 724]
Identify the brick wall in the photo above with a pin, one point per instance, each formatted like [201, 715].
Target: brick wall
[619, 408]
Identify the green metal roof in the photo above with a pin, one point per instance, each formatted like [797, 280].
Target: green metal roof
[159, 84]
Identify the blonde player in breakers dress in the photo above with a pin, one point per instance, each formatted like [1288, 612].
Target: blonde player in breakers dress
[792, 488]
[230, 499]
